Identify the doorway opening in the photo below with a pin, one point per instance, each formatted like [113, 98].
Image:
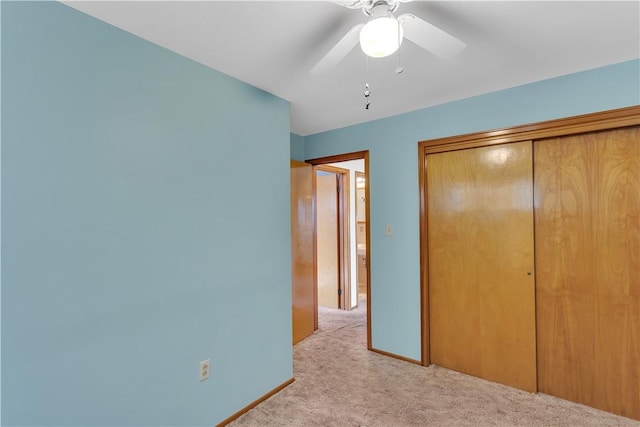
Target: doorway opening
[333, 261]
[341, 193]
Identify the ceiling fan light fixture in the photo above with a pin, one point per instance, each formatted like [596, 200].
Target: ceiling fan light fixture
[381, 36]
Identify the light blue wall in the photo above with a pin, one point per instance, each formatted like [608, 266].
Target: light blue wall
[145, 228]
[395, 281]
[297, 147]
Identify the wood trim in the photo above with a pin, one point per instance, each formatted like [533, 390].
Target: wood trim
[344, 238]
[396, 356]
[618, 118]
[425, 358]
[345, 235]
[357, 155]
[255, 403]
[367, 211]
[314, 219]
[622, 117]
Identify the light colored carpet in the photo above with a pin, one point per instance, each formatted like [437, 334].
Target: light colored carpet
[340, 383]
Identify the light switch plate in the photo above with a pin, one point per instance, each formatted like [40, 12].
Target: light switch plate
[205, 368]
[389, 230]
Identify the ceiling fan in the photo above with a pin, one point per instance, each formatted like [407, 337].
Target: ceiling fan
[382, 35]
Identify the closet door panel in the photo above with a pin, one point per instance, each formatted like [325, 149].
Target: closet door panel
[587, 236]
[480, 243]
[303, 302]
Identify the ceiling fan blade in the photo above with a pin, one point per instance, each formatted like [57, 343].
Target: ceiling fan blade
[429, 37]
[339, 51]
[351, 4]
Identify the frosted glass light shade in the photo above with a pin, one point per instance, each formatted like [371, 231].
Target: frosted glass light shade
[381, 37]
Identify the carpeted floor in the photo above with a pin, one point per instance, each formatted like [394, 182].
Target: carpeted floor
[340, 383]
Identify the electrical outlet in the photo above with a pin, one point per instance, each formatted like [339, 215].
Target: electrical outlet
[205, 367]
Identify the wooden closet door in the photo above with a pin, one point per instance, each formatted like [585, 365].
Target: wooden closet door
[303, 296]
[587, 197]
[480, 243]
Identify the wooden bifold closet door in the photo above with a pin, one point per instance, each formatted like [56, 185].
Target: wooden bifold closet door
[480, 245]
[587, 237]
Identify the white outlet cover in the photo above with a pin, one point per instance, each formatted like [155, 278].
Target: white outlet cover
[205, 368]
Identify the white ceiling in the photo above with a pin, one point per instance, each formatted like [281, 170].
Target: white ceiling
[274, 44]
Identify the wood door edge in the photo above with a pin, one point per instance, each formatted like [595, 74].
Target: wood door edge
[345, 239]
[314, 219]
[425, 357]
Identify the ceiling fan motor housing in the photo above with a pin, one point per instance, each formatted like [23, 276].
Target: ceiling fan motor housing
[377, 8]
[383, 34]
